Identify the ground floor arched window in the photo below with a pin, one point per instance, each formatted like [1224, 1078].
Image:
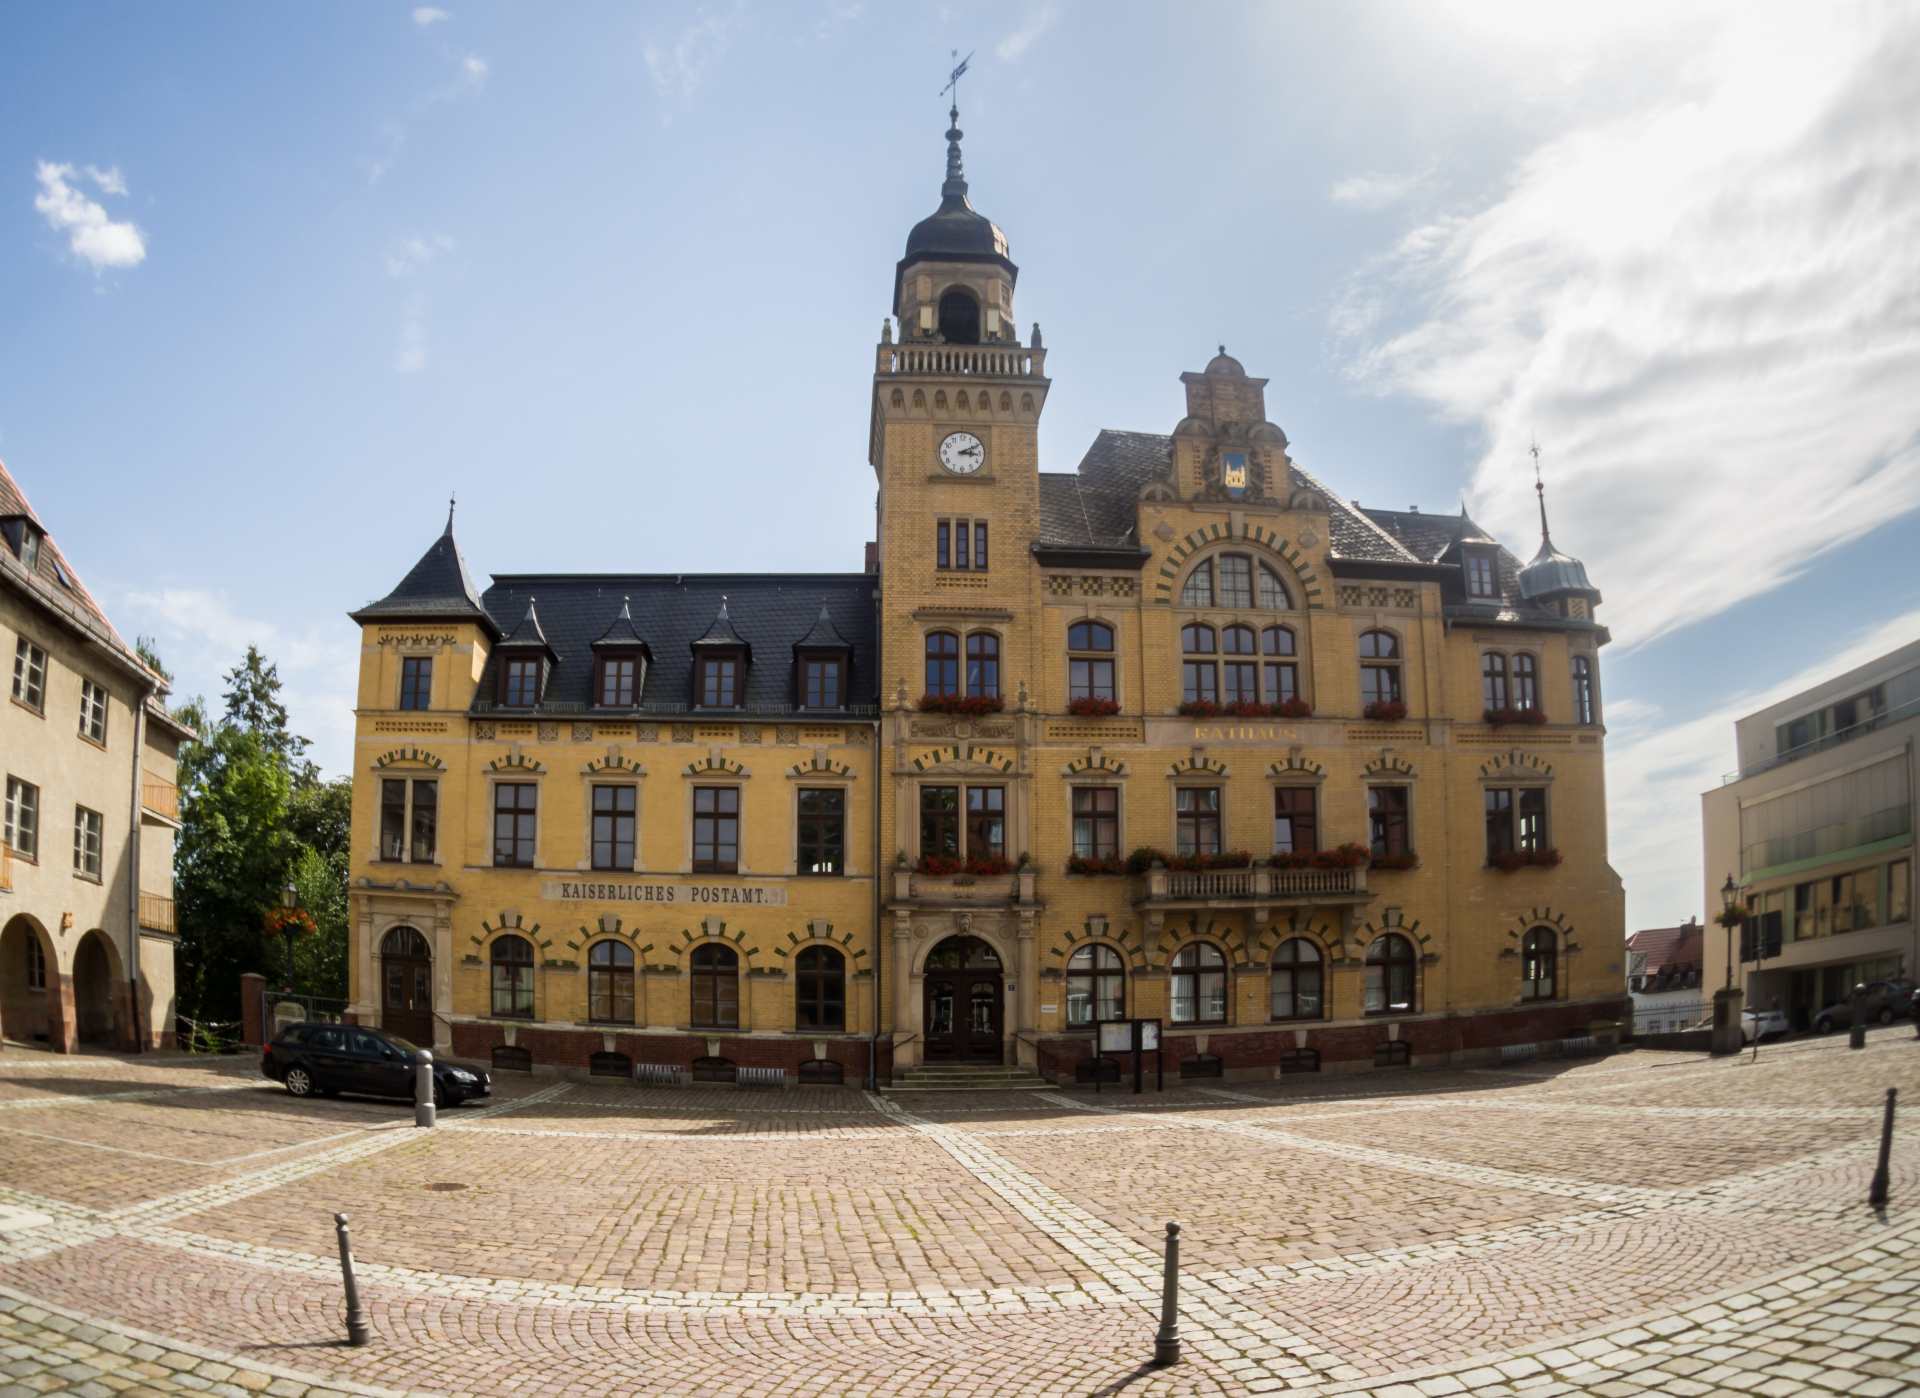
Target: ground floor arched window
[1096, 986]
[1390, 968]
[716, 987]
[820, 989]
[1539, 964]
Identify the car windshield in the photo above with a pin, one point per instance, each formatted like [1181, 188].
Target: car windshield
[400, 1043]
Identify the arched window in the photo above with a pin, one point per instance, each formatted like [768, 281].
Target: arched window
[960, 318]
[1198, 589]
[983, 665]
[1526, 688]
[819, 989]
[716, 987]
[513, 977]
[1389, 975]
[1241, 685]
[1280, 676]
[1236, 580]
[1089, 660]
[1200, 985]
[943, 664]
[1273, 593]
[1584, 709]
[1379, 668]
[1493, 680]
[1299, 980]
[610, 983]
[1096, 986]
[1199, 679]
[1539, 964]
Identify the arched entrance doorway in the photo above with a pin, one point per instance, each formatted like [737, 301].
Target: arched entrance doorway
[406, 986]
[94, 980]
[964, 1003]
[28, 984]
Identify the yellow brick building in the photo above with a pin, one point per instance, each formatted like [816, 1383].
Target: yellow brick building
[1178, 735]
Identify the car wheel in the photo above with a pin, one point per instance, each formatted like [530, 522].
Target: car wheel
[1823, 1025]
[299, 1081]
[439, 1097]
[1886, 1015]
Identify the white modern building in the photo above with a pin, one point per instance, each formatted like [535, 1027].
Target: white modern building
[1816, 829]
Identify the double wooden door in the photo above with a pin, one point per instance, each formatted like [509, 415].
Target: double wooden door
[406, 987]
[964, 1016]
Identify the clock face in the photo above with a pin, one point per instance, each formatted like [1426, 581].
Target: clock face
[962, 453]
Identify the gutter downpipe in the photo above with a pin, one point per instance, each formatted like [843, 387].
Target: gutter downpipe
[879, 873]
[135, 833]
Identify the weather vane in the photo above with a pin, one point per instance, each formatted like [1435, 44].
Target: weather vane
[953, 79]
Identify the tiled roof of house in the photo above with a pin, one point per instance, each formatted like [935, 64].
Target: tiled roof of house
[1668, 948]
[53, 584]
[767, 612]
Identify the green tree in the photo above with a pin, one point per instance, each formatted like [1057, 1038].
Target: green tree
[145, 648]
[253, 702]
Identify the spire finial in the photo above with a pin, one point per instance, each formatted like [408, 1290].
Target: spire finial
[450, 499]
[1540, 490]
[956, 181]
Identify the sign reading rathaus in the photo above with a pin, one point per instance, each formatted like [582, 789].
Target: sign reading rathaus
[1171, 734]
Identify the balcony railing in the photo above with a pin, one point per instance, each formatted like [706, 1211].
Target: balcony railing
[1250, 886]
[1002, 361]
[1910, 709]
[156, 912]
[160, 796]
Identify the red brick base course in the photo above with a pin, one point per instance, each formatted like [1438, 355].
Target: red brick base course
[572, 1050]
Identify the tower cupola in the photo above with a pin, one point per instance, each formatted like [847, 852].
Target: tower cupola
[1559, 580]
[955, 283]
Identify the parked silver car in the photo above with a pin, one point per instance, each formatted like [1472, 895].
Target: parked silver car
[1886, 1002]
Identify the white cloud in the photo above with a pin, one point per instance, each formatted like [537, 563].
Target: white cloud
[1039, 20]
[1377, 189]
[410, 355]
[413, 254]
[1656, 774]
[427, 15]
[474, 69]
[1699, 297]
[202, 634]
[678, 68]
[91, 235]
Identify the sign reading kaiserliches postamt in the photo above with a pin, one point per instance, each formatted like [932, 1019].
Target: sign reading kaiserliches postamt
[687, 895]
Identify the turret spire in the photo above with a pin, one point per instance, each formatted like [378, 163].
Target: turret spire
[1540, 490]
[449, 529]
[956, 182]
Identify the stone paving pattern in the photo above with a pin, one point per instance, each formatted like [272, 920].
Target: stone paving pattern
[1650, 1222]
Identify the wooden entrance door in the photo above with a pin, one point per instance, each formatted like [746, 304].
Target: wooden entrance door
[406, 986]
[964, 1011]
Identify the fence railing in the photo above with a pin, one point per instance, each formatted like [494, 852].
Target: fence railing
[1910, 709]
[160, 796]
[156, 912]
[994, 360]
[1254, 883]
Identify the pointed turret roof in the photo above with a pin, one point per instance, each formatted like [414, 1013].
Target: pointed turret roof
[437, 588]
[823, 635]
[1469, 532]
[721, 633]
[622, 634]
[1552, 572]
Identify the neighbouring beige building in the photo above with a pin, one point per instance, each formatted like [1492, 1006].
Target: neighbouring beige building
[1816, 830]
[88, 756]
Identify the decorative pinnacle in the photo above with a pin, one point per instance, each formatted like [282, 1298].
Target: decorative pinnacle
[1540, 490]
[450, 500]
[955, 186]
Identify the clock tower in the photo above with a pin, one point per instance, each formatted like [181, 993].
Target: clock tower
[954, 442]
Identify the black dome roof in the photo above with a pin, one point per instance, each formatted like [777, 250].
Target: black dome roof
[956, 229]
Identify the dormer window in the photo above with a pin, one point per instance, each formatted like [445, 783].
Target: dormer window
[23, 538]
[1480, 582]
[822, 682]
[520, 683]
[719, 682]
[617, 685]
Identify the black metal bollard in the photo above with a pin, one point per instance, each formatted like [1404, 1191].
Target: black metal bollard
[1877, 1191]
[357, 1332]
[1166, 1344]
[1857, 1011]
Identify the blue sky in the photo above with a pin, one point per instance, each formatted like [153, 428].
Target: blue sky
[277, 279]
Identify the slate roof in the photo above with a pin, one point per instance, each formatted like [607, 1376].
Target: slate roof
[768, 611]
[53, 584]
[1097, 506]
[1432, 536]
[438, 587]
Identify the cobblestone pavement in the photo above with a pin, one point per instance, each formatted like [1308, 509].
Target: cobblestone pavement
[1650, 1222]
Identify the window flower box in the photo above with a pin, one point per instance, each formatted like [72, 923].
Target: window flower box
[1508, 861]
[1227, 859]
[944, 866]
[1500, 717]
[1293, 708]
[1199, 708]
[969, 706]
[1385, 711]
[1343, 857]
[1406, 860]
[1093, 864]
[1093, 708]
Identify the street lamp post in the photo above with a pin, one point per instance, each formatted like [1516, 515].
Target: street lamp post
[1728, 892]
[1728, 1037]
[289, 899]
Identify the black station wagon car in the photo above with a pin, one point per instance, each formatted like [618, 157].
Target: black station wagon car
[335, 1058]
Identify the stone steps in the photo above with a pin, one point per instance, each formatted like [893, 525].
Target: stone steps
[968, 1077]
